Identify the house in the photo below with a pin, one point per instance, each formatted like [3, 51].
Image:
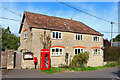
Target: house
[69, 37]
[116, 44]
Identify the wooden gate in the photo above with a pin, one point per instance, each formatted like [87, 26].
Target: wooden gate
[18, 60]
[4, 60]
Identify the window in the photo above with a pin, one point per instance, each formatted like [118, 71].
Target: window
[96, 38]
[78, 50]
[79, 37]
[56, 35]
[56, 51]
[25, 34]
[96, 51]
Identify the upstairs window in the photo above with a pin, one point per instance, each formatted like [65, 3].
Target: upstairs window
[25, 34]
[56, 35]
[79, 37]
[78, 50]
[96, 51]
[56, 51]
[96, 38]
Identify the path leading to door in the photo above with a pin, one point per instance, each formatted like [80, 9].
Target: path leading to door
[26, 73]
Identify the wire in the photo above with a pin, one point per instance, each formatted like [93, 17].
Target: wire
[85, 12]
[10, 11]
[9, 19]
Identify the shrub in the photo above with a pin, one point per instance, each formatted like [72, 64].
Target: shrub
[80, 60]
[111, 53]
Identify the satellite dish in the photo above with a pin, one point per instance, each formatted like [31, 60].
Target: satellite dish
[103, 47]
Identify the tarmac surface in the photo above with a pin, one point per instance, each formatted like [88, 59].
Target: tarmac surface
[27, 73]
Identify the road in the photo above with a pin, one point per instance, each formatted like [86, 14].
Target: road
[26, 73]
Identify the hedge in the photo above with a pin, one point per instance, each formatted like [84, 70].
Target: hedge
[111, 53]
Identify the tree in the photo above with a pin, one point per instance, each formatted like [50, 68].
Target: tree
[45, 40]
[9, 40]
[117, 38]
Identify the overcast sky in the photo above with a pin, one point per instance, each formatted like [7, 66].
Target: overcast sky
[106, 10]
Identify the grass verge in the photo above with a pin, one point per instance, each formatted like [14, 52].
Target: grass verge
[56, 70]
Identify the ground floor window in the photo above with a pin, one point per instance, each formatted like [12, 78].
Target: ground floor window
[78, 50]
[56, 51]
[96, 51]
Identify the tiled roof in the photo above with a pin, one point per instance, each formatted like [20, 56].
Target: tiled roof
[56, 23]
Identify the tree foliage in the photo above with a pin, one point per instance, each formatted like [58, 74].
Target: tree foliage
[117, 38]
[9, 40]
[45, 40]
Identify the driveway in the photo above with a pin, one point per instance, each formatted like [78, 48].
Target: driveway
[26, 73]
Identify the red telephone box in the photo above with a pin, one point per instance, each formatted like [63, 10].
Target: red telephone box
[45, 59]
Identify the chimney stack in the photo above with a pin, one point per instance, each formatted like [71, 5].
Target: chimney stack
[71, 18]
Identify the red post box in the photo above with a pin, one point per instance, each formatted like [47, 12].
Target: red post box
[35, 61]
[45, 59]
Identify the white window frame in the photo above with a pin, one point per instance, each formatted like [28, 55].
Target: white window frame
[25, 34]
[81, 39]
[97, 53]
[77, 50]
[55, 53]
[98, 38]
[55, 34]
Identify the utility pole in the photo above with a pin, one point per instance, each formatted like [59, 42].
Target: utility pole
[111, 33]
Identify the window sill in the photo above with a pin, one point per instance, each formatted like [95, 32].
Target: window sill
[25, 38]
[96, 54]
[56, 55]
[56, 39]
[96, 41]
[78, 40]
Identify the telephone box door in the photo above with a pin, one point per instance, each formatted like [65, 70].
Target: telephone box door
[45, 59]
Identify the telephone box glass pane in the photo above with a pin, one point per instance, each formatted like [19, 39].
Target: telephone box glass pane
[46, 60]
[41, 61]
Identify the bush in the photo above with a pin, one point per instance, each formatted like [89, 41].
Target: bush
[80, 60]
[111, 53]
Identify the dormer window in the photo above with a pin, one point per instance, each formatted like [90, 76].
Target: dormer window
[56, 35]
[64, 22]
[25, 34]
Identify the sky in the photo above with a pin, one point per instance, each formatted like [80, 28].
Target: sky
[106, 10]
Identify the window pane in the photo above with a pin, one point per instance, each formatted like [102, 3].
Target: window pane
[81, 37]
[78, 37]
[98, 38]
[56, 49]
[81, 50]
[78, 51]
[56, 34]
[53, 50]
[59, 35]
[60, 50]
[75, 51]
[53, 34]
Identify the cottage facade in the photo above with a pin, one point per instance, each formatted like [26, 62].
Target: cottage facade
[68, 37]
